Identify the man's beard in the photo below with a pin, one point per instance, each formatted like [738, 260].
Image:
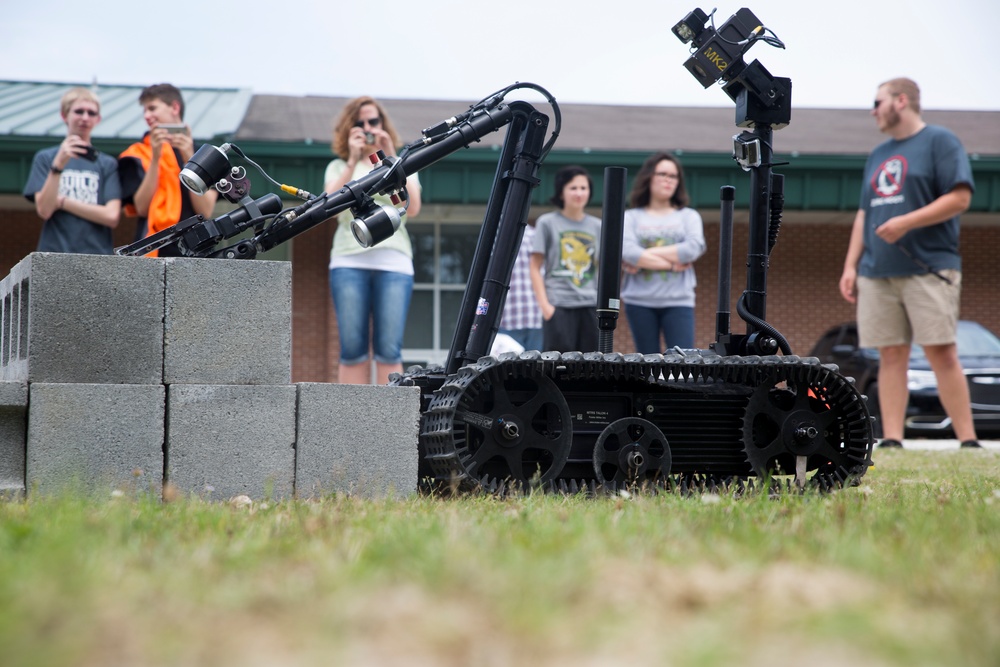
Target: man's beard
[891, 120]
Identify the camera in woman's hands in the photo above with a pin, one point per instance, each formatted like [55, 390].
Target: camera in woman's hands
[370, 138]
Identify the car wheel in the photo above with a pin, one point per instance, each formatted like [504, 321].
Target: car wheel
[873, 408]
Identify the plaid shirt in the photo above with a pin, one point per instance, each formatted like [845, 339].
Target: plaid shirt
[521, 311]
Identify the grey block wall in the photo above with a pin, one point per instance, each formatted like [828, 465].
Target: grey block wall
[95, 437]
[13, 430]
[227, 322]
[120, 372]
[357, 439]
[65, 319]
[229, 440]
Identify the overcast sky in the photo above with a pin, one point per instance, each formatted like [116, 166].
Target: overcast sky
[585, 51]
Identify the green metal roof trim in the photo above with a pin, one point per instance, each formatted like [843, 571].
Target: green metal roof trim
[31, 109]
[812, 182]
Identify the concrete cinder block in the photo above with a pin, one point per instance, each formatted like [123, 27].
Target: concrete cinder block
[94, 437]
[13, 437]
[227, 322]
[357, 439]
[229, 440]
[82, 319]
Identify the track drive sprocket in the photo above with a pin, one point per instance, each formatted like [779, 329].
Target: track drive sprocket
[799, 423]
[503, 429]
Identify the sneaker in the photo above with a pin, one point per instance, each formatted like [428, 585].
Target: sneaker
[971, 444]
[891, 443]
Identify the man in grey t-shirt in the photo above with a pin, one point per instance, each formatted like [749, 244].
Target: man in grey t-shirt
[75, 188]
[902, 268]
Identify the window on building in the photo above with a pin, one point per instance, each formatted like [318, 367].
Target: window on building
[442, 259]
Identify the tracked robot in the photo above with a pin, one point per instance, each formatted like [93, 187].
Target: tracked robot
[745, 409]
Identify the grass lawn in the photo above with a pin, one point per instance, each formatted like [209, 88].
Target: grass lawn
[903, 570]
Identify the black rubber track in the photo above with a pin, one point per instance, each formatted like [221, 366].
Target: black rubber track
[532, 421]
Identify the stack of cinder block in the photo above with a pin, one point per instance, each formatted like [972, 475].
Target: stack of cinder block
[135, 372]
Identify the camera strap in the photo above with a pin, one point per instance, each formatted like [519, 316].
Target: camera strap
[924, 265]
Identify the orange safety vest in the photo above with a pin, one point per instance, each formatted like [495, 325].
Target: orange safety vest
[165, 207]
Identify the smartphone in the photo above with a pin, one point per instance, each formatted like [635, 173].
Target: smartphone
[89, 153]
[174, 128]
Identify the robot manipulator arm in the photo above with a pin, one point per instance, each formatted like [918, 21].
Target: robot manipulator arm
[209, 168]
[197, 236]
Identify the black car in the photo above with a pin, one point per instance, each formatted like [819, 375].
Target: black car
[978, 350]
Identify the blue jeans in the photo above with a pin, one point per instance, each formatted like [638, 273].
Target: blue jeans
[381, 296]
[676, 323]
[529, 339]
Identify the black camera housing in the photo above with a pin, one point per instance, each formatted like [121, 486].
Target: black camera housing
[691, 26]
[206, 168]
[760, 97]
[89, 153]
[719, 53]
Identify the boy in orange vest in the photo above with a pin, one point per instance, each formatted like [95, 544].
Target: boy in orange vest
[150, 169]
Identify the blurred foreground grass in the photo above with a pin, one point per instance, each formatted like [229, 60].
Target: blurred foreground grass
[904, 570]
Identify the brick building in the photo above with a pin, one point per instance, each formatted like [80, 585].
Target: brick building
[290, 138]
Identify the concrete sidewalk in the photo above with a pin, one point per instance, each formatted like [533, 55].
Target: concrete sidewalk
[943, 444]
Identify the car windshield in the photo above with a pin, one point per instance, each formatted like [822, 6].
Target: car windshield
[974, 340]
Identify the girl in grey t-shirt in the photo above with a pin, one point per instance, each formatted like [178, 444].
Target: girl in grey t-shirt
[566, 246]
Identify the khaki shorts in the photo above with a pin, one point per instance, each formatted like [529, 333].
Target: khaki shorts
[897, 311]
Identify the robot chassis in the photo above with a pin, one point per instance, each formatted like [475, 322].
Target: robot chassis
[687, 420]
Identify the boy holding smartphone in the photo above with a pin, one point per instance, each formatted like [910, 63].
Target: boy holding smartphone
[150, 169]
[74, 188]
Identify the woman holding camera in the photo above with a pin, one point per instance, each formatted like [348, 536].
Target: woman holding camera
[661, 240]
[371, 287]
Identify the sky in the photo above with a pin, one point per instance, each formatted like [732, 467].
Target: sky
[618, 52]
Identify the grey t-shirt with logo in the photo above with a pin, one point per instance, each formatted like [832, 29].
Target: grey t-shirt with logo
[902, 176]
[90, 182]
[571, 251]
